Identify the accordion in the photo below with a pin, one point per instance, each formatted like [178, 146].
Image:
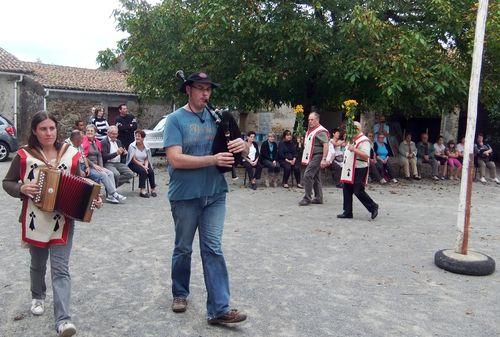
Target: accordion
[70, 195]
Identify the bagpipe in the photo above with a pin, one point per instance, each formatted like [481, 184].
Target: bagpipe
[227, 130]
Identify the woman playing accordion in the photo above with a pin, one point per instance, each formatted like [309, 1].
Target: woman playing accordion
[47, 234]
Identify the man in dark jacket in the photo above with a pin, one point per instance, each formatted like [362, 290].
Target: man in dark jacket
[126, 124]
[113, 155]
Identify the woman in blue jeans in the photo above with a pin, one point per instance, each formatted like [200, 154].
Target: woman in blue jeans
[49, 235]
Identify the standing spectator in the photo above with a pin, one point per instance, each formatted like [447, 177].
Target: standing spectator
[373, 171]
[335, 158]
[382, 153]
[484, 154]
[269, 158]
[408, 157]
[126, 124]
[139, 161]
[425, 154]
[441, 157]
[381, 128]
[79, 125]
[251, 163]
[112, 154]
[287, 154]
[100, 122]
[453, 162]
[314, 156]
[92, 148]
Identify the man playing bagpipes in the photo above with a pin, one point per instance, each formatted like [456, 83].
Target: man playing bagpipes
[197, 194]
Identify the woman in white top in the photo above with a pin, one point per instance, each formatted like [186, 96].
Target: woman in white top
[441, 156]
[335, 157]
[461, 149]
[251, 163]
[139, 161]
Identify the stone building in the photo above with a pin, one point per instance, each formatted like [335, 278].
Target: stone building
[68, 92]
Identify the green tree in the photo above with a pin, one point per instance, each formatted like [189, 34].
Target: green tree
[411, 57]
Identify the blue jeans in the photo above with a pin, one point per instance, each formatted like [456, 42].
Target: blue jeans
[207, 215]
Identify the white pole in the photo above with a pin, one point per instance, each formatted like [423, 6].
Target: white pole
[463, 218]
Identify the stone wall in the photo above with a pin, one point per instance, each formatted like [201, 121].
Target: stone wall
[152, 111]
[276, 119]
[7, 96]
[449, 124]
[30, 101]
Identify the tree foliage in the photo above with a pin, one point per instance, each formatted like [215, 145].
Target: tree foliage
[411, 57]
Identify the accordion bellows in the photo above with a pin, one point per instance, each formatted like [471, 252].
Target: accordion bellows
[70, 195]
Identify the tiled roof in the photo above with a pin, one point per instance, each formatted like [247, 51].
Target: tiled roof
[71, 78]
[68, 78]
[10, 63]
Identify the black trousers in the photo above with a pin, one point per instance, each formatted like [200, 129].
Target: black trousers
[358, 189]
[252, 171]
[287, 170]
[270, 167]
[143, 175]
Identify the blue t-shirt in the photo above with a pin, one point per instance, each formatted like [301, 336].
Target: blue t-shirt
[382, 151]
[185, 129]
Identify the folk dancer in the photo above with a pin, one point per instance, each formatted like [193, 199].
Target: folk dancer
[355, 175]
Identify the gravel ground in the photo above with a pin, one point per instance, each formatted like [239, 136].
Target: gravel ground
[297, 271]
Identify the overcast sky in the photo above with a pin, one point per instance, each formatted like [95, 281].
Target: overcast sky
[63, 32]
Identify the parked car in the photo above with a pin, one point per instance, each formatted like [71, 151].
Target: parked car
[154, 136]
[8, 139]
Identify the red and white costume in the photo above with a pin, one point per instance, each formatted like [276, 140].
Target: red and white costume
[307, 155]
[351, 161]
[41, 228]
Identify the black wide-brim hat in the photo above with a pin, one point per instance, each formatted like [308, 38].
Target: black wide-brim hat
[198, 78]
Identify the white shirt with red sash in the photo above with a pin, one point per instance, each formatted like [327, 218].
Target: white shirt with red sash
[309, 140]
[352, 161]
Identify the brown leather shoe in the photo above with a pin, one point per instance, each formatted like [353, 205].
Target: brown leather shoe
[179, 304]
[316, 201]
[232, 316]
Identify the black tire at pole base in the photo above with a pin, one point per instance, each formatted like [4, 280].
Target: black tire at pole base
[448, 260]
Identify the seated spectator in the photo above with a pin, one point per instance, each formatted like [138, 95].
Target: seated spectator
[299, 144]
[382, 153]
[381, 128]
[139, 161]
[408, 157]
[372, 162]
[288, 159]
[269, 158]
[453, 162]
[425, 155]
[92, 151]
[461, 150]
[484, 154]
[251, 163]
[441, 157]
[112, 154]
[100, 122]
[335, 157]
